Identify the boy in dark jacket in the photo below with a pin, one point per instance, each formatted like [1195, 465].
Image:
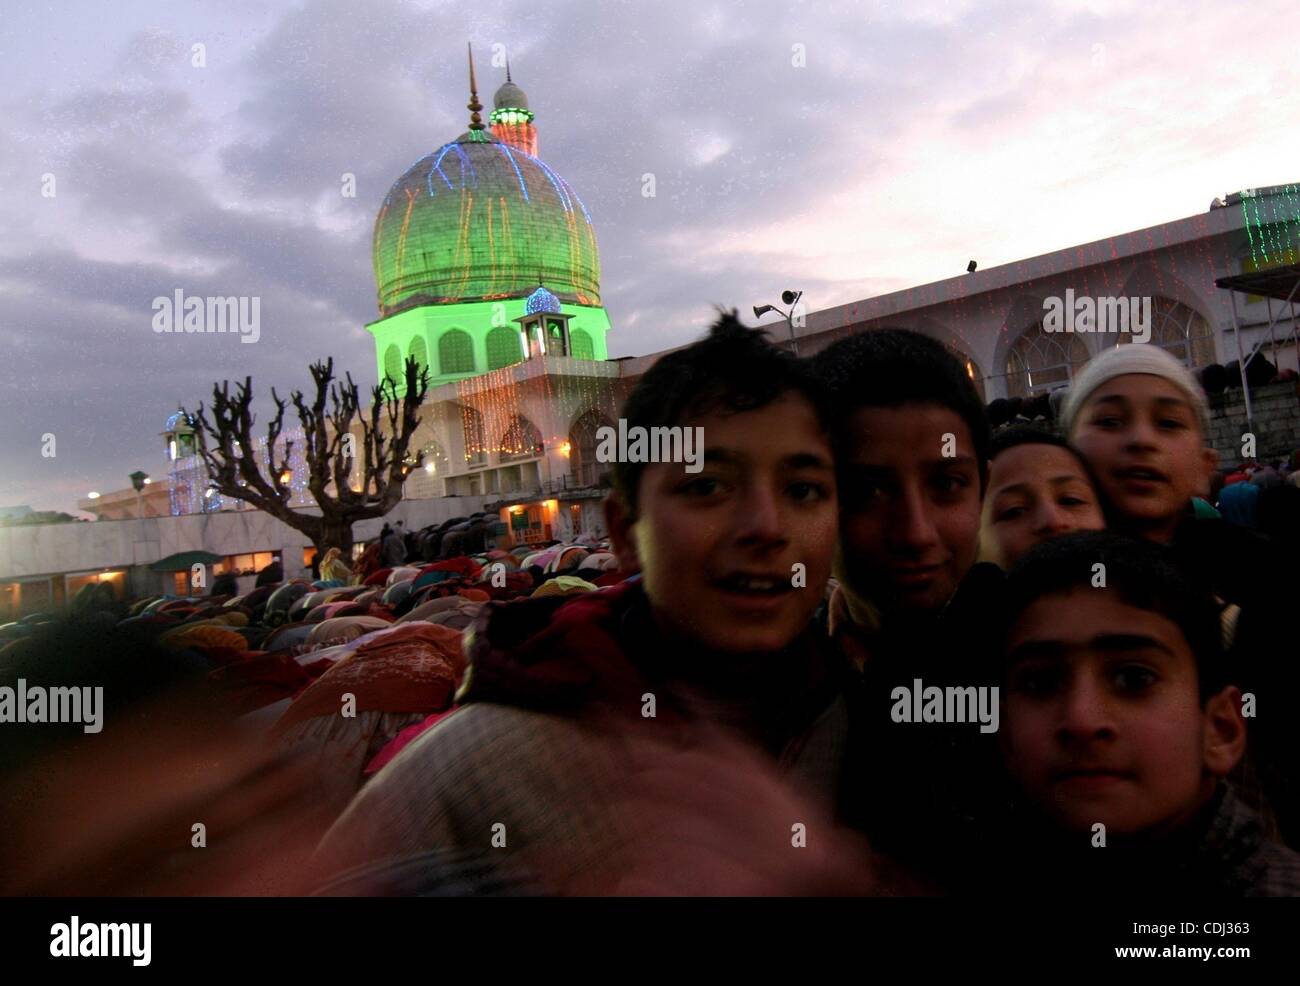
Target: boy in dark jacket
[1140, 419]
[1120, 726]
[913, 609]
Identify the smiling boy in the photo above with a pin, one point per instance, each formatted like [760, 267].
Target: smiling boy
[733, 559]
[1140, 419]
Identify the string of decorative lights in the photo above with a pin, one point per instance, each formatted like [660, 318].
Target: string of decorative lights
[522, 227]
[190, 490]
[1272, 225]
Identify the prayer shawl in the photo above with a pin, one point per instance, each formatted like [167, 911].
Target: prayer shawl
[431, 608]
[412, 668]
[259, 680]
[459, 566]
[185, 637]
[378, 577]
[344, 629]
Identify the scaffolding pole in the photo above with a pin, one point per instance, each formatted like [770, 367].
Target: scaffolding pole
[1242, 360]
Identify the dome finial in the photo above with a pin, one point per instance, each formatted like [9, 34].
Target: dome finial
[508, 68]
[475, 121]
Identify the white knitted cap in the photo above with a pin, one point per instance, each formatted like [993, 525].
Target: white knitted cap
[1136, 357]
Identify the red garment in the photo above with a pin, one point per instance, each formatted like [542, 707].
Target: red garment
[314, 666]
[343, 607]
[378, 578]
[460, 565]
[516, 584]
[367, 563]
[221, 656]
[411, 667]
[554, 653]
[1235, 477]
[259, 680]
[394, 746]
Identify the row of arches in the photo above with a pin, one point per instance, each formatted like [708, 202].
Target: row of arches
[456, 352]
[522, 440]
[1041, 361]
[1038, 360]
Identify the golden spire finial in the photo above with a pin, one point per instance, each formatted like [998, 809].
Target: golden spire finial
[475, 121]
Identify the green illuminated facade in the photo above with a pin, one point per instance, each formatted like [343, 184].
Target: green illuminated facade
[458, 340]
[466, 237]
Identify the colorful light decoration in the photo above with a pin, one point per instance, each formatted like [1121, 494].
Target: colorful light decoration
[479, 218]
[512, 121]
[190, 492]
[1272, 225]
[542, 300]
[482, 219]
[489, 407]
[511, 116]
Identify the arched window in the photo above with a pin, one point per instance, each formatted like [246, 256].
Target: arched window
[1043, 361]
[419, 352]
[503, 348]
[585, 469]
[1179, 330]
[522, 440]
[393, 364]
[582, 344]
[471, 422]
[455, 352]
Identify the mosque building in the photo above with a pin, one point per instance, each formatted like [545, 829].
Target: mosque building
[488, 274]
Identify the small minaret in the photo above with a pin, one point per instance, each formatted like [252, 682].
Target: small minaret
[512, 120]
[178, 436]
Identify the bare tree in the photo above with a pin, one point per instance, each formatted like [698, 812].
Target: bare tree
[228, 450]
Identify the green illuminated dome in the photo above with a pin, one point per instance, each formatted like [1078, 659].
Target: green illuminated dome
[480, 219]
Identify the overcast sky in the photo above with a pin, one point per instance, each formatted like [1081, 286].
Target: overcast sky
[915, 136]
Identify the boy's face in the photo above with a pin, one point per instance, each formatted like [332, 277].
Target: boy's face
[717, 549]
[1142, 438]
[1036, 492]
[1102, 721]
[910, 514]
